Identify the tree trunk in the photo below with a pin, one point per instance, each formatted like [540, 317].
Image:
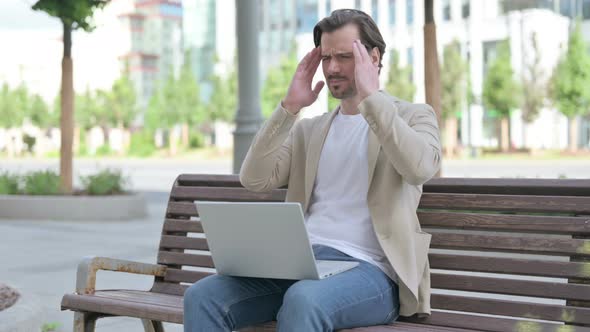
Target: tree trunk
[185, 136]
[450, 137]
[573, 130]
[67, 112]
[504, 134]
[432, 69]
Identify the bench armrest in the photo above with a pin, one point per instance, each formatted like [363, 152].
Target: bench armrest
[87, 268]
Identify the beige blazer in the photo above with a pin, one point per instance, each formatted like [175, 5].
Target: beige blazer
[404, 151]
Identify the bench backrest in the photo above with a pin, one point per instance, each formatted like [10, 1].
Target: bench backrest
[506, 247]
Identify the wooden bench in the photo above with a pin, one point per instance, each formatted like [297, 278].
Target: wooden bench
[506, 255]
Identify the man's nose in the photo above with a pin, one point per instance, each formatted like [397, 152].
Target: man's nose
[334, 66]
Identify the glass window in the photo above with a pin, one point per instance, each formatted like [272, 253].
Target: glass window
[409, 11]
[586, 9]
[328, 7]
[357, 4]
[465, 9]
[392, 12]
[566, 8]
[446, 8]
[307, 15]
[375, 10]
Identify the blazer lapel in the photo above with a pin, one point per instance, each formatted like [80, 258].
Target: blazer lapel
[373, 149]
[316, 143]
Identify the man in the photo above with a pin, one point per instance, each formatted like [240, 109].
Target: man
[357, 173]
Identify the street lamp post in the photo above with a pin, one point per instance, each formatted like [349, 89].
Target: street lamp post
[249, 116]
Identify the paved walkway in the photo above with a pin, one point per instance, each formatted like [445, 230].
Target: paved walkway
[40, 257]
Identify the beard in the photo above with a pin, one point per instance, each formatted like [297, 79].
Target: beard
[342, 90]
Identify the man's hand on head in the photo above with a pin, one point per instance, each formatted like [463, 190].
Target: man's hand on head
[300, 93]
[366, 73]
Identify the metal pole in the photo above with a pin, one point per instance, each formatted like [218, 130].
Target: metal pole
[249, 115]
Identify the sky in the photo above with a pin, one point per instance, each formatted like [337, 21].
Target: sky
[18, 15]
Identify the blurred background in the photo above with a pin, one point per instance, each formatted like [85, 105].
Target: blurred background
[154, 85]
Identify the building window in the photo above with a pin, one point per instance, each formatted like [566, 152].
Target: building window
[446, 10]
[307, 15]
[375, 10]
[586, 9]
[328, 7]
[566, 8]
[357, 4]
[465, 9]
[392, 13]
[409, 11]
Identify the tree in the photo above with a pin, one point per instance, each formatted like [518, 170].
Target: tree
[454, 74]
[534, 86]
[39, 113]
[11, 107]
[223, 101]
[399, 80]
[73, 14]
[570, 82]
[277, 82]
[501, 92]
[189, 105]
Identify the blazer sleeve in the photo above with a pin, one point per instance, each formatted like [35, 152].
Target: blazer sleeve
[268, 160]
[413, 147]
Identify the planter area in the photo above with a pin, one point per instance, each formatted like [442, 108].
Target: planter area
[76, 207]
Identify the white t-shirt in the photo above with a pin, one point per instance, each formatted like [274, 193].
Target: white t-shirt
[338, 215]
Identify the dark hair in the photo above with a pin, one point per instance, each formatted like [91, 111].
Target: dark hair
[368, 30]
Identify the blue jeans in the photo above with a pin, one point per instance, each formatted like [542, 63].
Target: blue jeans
[363, 296]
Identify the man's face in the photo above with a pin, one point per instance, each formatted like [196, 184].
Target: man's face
[338, 60]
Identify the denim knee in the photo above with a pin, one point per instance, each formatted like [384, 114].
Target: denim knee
[302, 312]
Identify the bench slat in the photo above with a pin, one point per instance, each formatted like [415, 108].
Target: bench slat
[226, 194]
[183, 225]
[531, 245]
[577, 315]
[176, 275]
[511, 203]
[552, 290]
[548, 187]
[183, 242]
[208, 180]
[517, 266]
[177, 258]
[503, 222]
[171, 288]
[492, 324]
[181, 209]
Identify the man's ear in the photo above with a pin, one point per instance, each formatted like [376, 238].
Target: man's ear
[375, 55]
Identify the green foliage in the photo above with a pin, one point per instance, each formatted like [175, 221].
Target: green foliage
[277, 82]
[9, 184]
[75, 13]
[399, 80]
[50, 327]
[105, 182]
[223, 102]
[533, 85]
[104, 150]
[89, 109]
[29, 142]
[501, 92]
[196, 140]
[454, 74]
[571, 78]
[188, 95]
[142, 144]
[41, 183]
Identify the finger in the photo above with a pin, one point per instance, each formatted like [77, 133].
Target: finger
[356, 53]
[363, 51]
[318, 87]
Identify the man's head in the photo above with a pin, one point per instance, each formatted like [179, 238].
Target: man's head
[335, 35]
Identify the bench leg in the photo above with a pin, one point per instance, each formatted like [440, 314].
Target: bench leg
[152, 325]
[84, 322]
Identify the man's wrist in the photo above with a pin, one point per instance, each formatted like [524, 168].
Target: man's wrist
[291, 108]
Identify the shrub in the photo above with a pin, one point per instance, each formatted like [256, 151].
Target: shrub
[41, 183]
[8, 184]
[142, 144]
[196, 140]
[105, 182]
[103, 150]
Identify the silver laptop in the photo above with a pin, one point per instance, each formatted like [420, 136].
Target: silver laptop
[264, 240]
